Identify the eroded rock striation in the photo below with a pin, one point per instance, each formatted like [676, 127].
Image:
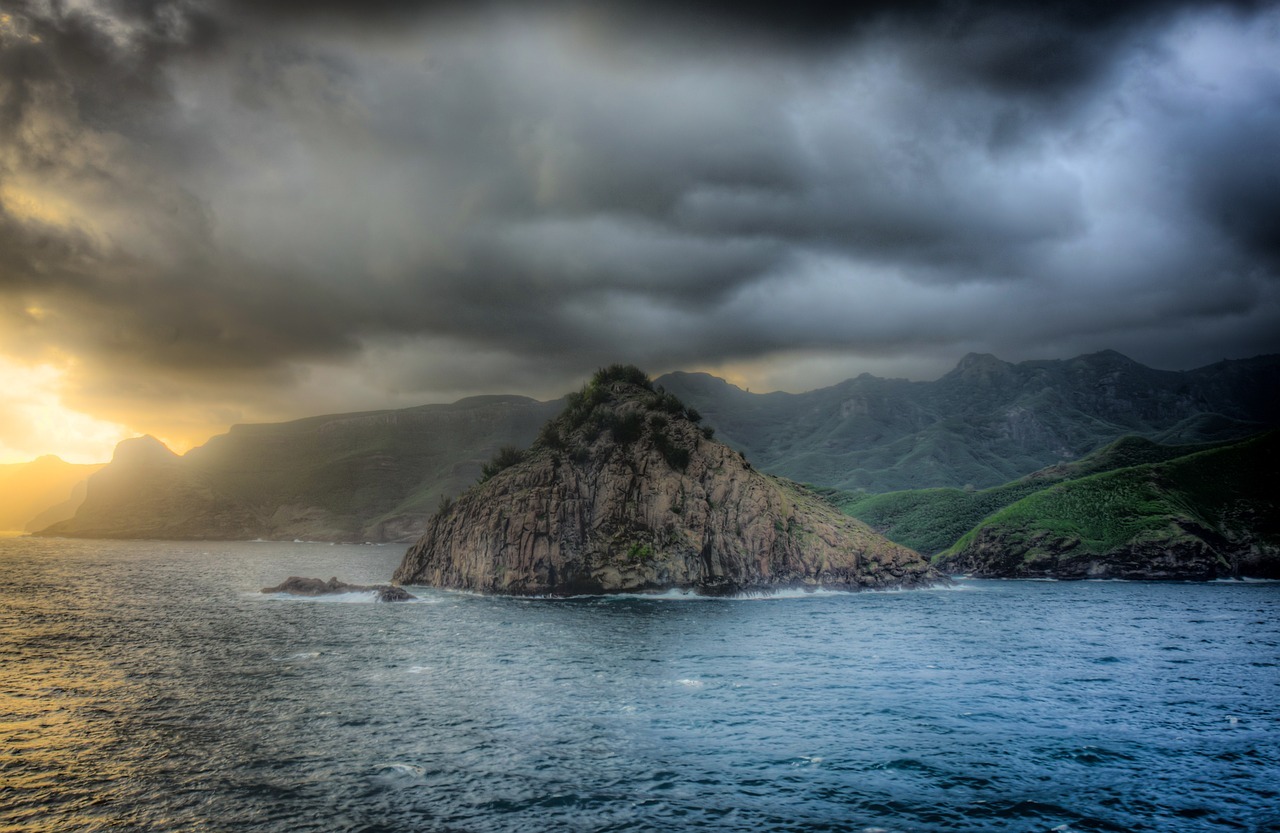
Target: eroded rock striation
[625, 492]
[299, 586]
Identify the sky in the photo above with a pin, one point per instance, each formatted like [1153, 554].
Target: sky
[256, 210]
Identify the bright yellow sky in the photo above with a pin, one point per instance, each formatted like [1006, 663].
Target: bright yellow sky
[34, 422]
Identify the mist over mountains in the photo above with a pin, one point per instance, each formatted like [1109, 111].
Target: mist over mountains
[348, 477]
[378, 476]
[41, 492]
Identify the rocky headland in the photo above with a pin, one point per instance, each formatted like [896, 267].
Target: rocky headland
[625, 491]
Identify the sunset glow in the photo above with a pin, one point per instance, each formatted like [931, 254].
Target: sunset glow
[35, 422]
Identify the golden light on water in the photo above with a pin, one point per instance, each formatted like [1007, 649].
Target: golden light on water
[61, 708]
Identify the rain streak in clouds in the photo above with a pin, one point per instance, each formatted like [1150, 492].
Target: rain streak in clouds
[216, 212]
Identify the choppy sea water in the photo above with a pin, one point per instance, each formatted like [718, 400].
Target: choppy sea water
[146, 686]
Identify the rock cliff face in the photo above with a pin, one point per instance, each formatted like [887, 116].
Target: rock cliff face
[624, 492]
[1180, 551]
[144, 493]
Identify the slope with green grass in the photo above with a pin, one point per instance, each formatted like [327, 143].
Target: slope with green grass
[931, 520]
[1215, 513]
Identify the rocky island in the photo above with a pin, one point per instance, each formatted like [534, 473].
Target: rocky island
[299, 586]
[625, 491]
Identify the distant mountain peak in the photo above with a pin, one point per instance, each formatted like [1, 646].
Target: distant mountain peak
[1106, 356]
[980, 368]
[978, 360]
[685, 379]
[144, 449]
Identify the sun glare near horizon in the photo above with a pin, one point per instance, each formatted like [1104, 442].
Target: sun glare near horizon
[35, 422]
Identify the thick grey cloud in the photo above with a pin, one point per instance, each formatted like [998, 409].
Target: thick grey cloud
[251, 210]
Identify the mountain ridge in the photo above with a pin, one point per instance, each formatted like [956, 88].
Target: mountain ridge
[359, 476]
[378, 475]
[986, 421]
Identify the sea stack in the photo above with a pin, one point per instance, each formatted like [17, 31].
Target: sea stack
[624, 491]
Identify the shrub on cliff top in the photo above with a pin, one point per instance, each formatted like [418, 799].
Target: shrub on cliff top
[589, 413]
[506, 457]
[580, 406]
[628, 373]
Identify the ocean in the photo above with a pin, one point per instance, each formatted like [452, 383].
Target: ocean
[148, 686]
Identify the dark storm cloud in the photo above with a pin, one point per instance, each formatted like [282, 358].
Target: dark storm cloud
[237, 198]
[1037, 48]
[1236, 183]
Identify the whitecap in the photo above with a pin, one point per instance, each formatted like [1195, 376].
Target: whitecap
[362, 597]
[298, 657]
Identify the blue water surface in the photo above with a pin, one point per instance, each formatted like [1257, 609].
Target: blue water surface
[147, 686]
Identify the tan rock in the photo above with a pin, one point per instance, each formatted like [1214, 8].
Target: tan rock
[625, 493]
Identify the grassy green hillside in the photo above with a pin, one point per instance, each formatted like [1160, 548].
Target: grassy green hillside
[1212, 513]
[931, 520]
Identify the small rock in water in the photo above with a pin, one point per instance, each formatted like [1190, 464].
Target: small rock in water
[299, 586]
[391, 593]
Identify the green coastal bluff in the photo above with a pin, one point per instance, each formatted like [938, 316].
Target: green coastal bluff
[624, 491]
[1202, 516]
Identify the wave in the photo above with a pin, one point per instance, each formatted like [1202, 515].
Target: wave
[676, 594]
[298, 657]
[782, 593]
[361, 597]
